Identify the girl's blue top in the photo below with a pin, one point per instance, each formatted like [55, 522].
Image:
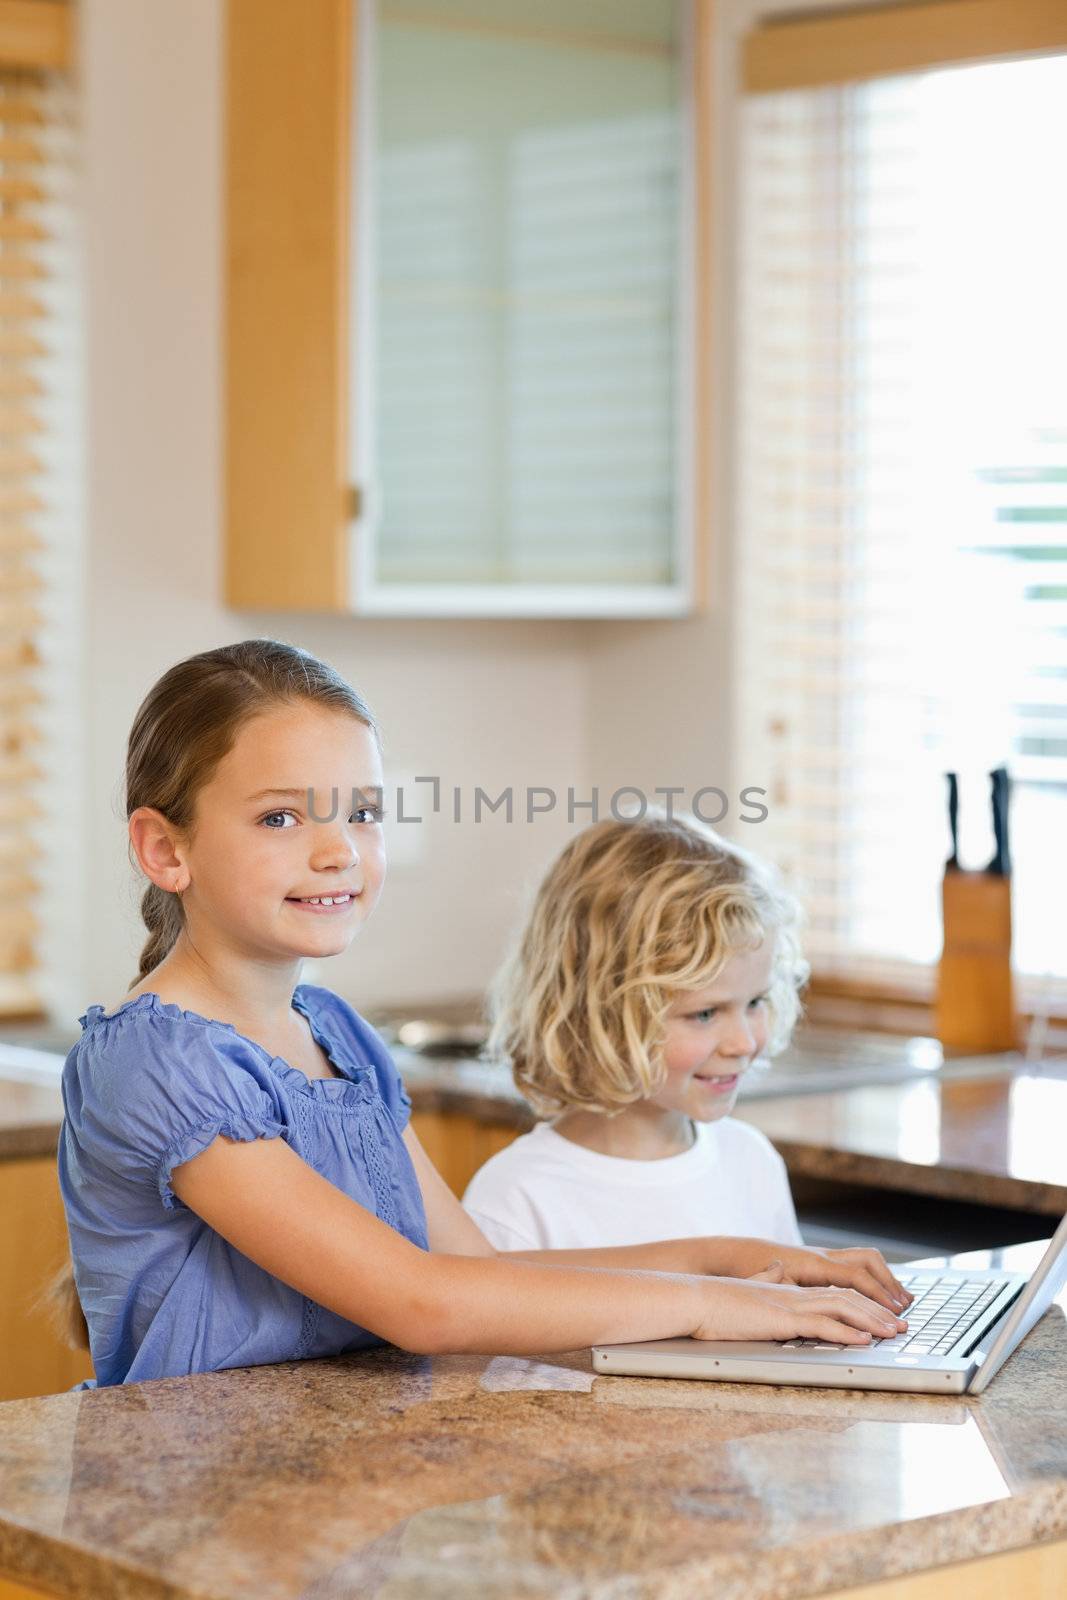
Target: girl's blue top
[150, 1087]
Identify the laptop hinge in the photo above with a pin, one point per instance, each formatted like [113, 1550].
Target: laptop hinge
[992, 1317]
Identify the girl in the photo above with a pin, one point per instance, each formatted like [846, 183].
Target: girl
[241, 1181]
[658, 963]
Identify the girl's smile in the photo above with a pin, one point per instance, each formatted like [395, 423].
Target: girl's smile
[278, 873]
[325, 905]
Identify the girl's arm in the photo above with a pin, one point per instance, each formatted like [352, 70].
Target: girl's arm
[275, 1209]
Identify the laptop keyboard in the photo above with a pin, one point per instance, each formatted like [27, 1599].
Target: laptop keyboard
[938, 1318]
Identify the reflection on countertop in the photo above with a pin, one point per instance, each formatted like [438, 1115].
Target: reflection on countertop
[389, 1473]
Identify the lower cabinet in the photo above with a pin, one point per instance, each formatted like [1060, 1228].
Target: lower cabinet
[34, 1359]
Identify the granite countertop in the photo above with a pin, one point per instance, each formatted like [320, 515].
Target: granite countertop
[407, 1476]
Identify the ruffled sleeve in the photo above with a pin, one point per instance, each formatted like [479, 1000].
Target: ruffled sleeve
[153, 1091]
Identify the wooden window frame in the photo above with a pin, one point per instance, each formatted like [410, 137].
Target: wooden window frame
[850, 45]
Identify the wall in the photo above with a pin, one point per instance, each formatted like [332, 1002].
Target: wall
[488, 703]
[659, 693]
[520, 703]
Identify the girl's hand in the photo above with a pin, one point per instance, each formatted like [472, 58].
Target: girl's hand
[860, 1269]
[749, 1309]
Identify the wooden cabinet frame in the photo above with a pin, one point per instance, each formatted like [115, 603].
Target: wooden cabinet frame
[37, 34]
[291, 297]
[287, 288]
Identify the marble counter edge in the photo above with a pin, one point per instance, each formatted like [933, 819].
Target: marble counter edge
[62, 1570]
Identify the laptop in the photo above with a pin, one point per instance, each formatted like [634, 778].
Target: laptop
[962, 1327]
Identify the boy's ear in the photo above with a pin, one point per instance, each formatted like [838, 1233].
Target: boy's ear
[159, 848]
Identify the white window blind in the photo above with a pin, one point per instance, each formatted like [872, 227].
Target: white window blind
[39, 475]
[902, 497]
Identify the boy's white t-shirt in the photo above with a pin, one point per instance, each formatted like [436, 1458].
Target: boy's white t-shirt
[543, 1192]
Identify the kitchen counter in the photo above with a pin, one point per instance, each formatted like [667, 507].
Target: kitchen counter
[987, 1130]
[404, 1476]
[993, 1141]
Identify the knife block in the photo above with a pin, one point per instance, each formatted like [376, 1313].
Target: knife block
[975, 1006]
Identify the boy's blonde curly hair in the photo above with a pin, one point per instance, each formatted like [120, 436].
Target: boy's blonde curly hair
[629, 916]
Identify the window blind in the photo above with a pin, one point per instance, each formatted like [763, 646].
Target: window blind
[38, 431]
[902, 497]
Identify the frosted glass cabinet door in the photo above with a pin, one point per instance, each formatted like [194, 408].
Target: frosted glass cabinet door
[520, 345]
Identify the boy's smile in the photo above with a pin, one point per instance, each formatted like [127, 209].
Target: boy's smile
[713, 1035]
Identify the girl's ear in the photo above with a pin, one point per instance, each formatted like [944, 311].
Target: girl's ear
[159, 847]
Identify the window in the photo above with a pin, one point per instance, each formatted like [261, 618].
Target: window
[902, 496]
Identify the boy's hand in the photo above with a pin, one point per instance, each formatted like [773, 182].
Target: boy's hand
[775, 1273]
[862, 1269]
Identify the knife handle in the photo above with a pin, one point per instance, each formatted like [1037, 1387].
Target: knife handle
[1000, 788]
[953, 818]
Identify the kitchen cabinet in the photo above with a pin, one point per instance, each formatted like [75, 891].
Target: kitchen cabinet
[467, 321]
[33, 1244]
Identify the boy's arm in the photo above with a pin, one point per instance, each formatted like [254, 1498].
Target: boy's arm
[705, 1257]
[860, 1269]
